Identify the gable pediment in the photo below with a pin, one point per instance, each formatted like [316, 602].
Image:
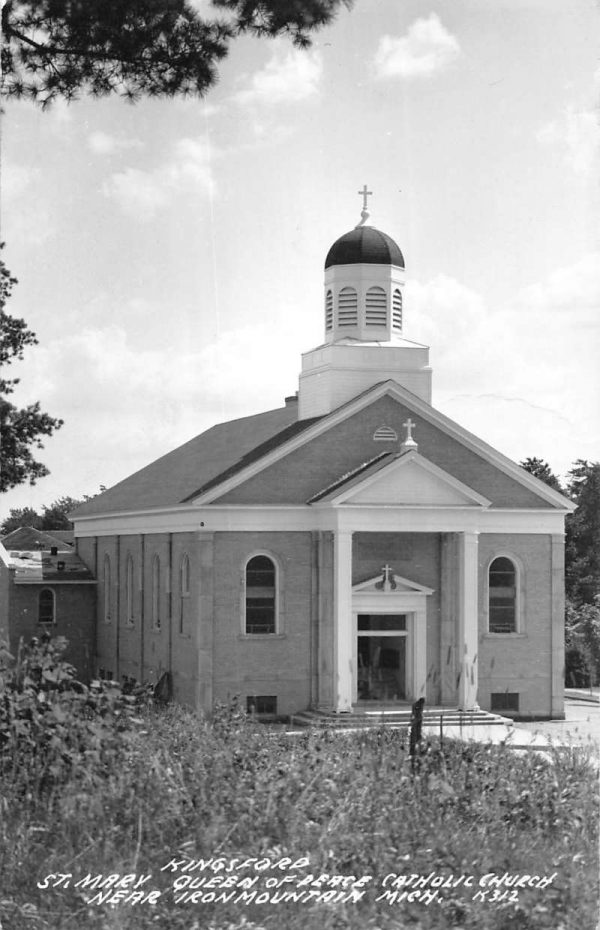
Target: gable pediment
[389, 583]
[308, 463]
[405, 480]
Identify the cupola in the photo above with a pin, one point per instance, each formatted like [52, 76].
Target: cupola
[364, 340]
[364, 281]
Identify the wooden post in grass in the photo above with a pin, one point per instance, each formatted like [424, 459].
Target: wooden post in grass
[416, 724]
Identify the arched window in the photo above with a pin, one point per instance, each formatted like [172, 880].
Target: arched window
[397, 310]
[329, 311]
[347, 307]
[184, 589]
[502, 596]
[106, 589]
[129, 591]
[156, 592]
[261, 595]
[376, 307]
[46, 604]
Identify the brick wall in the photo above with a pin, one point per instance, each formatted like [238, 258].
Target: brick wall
[519, 662]
[249, 665]
[75, 617]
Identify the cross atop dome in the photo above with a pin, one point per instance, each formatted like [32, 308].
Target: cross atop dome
[364, 215]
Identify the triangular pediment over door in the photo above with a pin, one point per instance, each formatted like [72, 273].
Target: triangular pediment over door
[408, 480]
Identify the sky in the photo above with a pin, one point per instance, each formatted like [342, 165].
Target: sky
[170, 254]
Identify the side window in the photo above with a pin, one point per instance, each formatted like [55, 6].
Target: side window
[156, 592]
[129, 591]
[107, 589]
[184, 590]
[502, 596]
[261, 595]
[46, 606]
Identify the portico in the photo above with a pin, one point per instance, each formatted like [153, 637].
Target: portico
[380, 630]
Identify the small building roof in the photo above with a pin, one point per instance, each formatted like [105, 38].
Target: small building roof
[40, 566]
[30, 538]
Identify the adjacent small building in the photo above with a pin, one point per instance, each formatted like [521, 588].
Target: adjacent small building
[46, 587]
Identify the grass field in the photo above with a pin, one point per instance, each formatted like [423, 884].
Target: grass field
[169, 785]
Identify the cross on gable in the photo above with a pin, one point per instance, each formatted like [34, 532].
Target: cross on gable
[387, 570]
[364, 193]
[387, 582]
[409, 426]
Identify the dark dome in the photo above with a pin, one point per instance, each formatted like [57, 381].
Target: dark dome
[364, 245]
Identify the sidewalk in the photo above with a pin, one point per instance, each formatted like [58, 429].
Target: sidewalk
[581, 728]
[583, 694]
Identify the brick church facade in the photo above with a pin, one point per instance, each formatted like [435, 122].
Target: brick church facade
[353, 548]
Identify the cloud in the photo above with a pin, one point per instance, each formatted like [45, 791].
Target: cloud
[523, 376]
[290, 75]
[101, 143]
[17, 180]
[577, 132]
[140, 403]
[26, 219]
[142, 193]
[426, 49]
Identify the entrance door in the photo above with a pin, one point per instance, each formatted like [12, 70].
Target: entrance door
[381, 657]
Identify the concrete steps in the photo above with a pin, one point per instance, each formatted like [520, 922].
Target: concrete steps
[397, 717]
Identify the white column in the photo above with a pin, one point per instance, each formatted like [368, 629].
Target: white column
[420, 653]
[467, 638]
[342, 618]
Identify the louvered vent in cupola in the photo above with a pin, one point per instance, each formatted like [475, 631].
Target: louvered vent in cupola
[329, 311]
[347, 307]
[376, 307]
[385, 434]
[397, 310]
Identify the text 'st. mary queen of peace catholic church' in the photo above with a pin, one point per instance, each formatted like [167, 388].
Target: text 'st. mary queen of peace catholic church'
[353, 548]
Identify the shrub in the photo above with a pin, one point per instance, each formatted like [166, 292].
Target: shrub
[53, 727]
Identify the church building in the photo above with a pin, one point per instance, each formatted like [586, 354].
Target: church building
[354, 548]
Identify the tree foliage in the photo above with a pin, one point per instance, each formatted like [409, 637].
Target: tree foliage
[540, 469]
[21, 429]
[57, 48]
[53, 516]
[582, 640]
[583, 533]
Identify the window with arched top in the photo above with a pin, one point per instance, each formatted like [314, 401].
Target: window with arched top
[46, 606]
[397, 310]
[106, 586]
[184, 590]
[129, 590]
[502, 595]
[376, 307]
[156, 592]
[347, 314]
[329, 311]
[260, 595]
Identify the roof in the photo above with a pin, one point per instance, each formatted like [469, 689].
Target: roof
[361, 470]
[202, 462]
[364, 245]
[28, 537]
[34, 567]
[338, 446]
[272, 458]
